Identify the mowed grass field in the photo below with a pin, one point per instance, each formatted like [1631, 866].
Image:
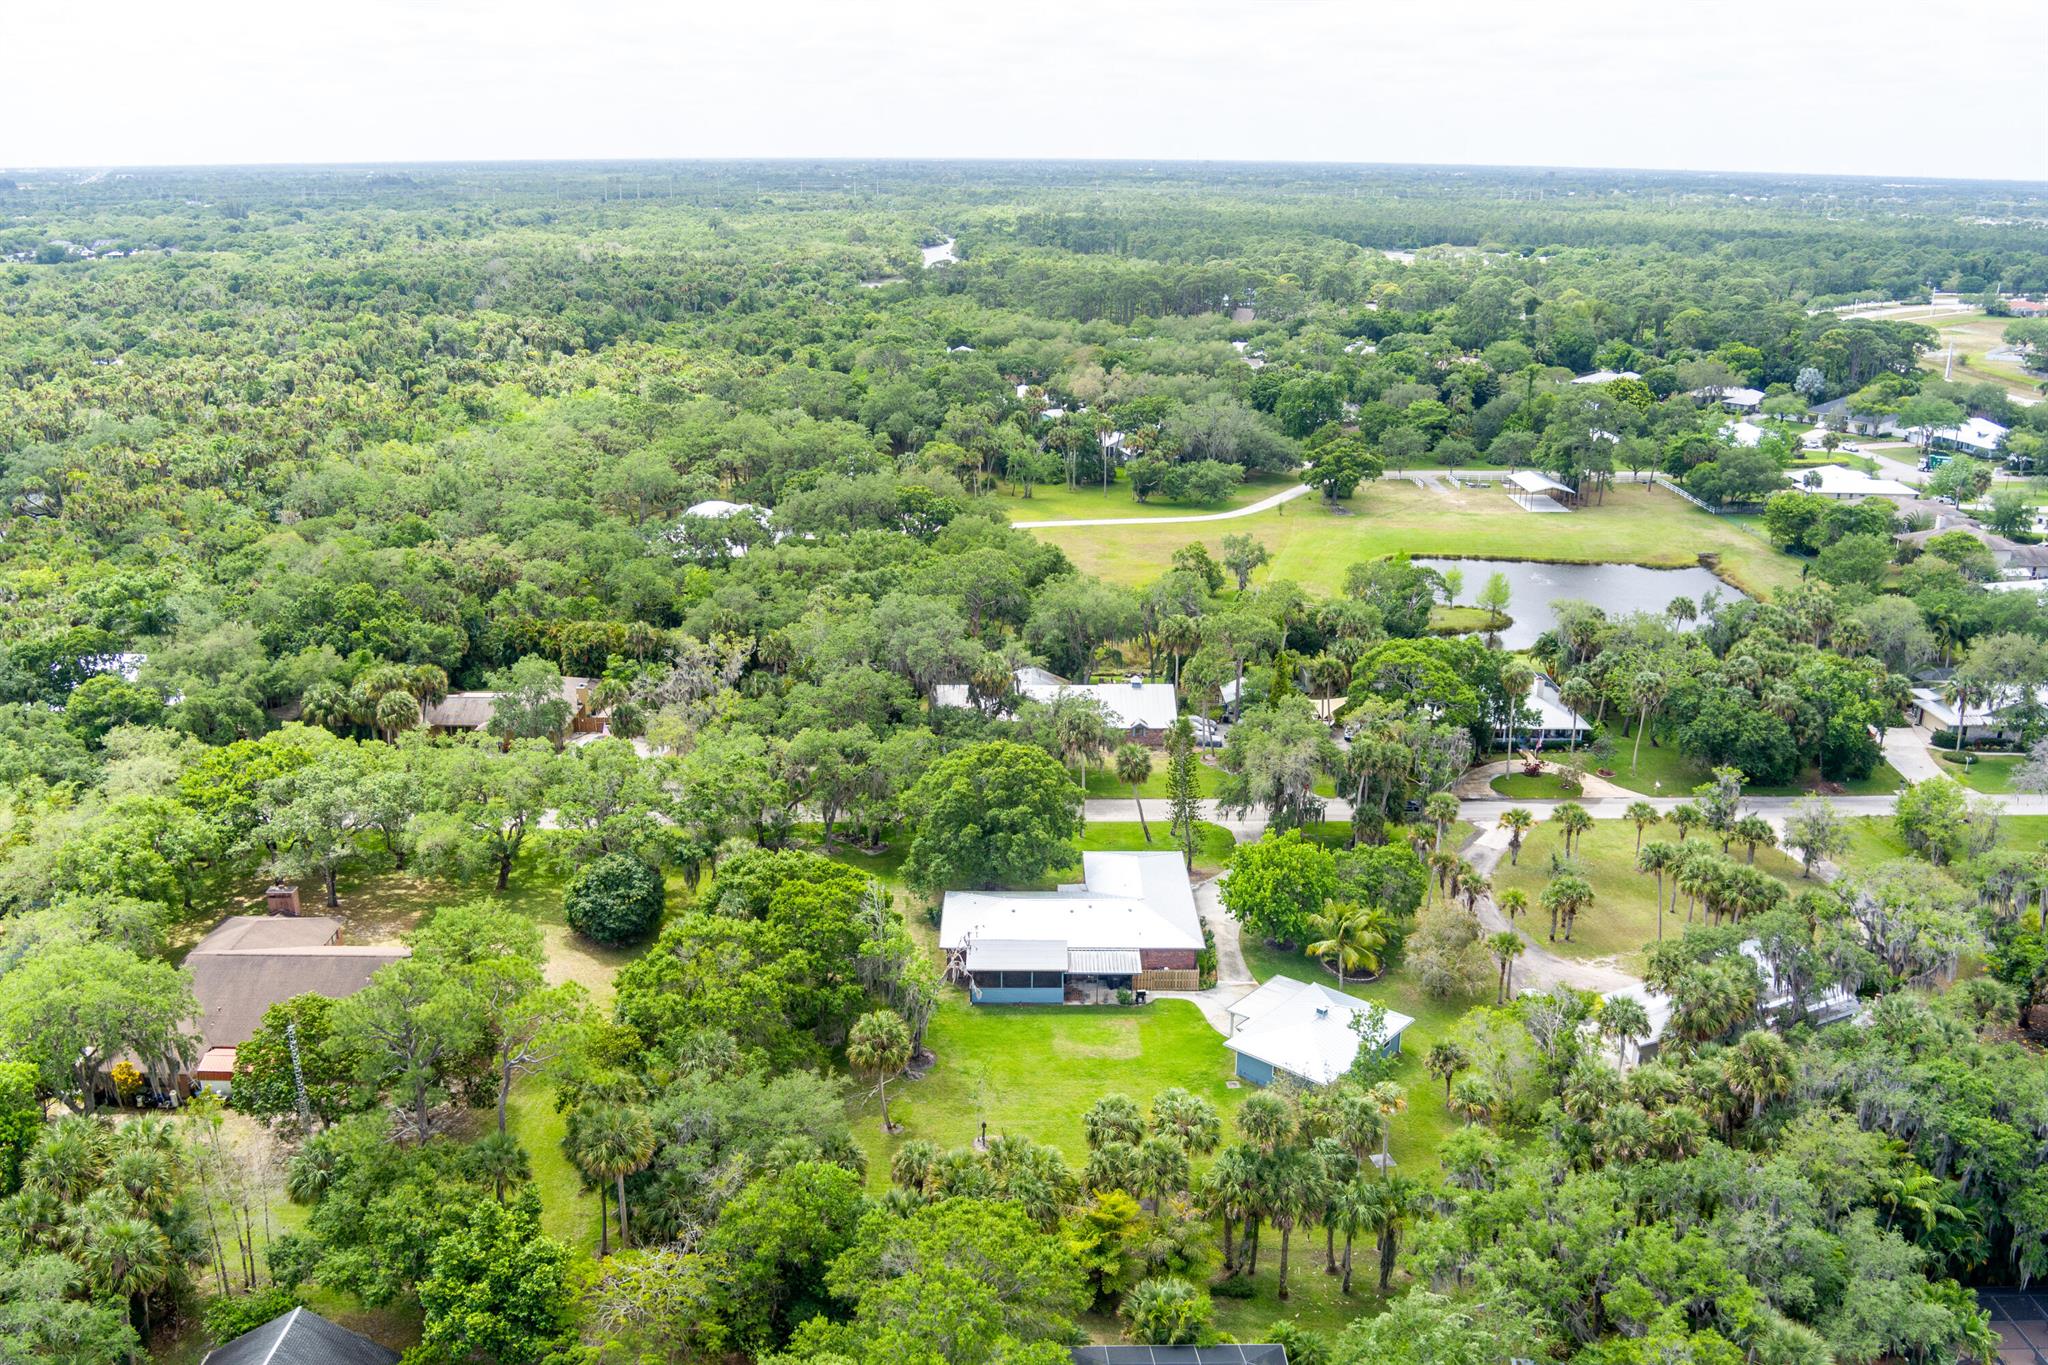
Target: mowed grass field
[1623, 917]
[1875, 839]
[1056, 502]
[1313, 546]
[1972, 335]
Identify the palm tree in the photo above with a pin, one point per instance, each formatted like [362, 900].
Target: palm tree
[879, 1046]
[1133, 766]
[1229, 1192]
[1113, 1118]
[1642, 815]
[1563, 897]
[1577, 693]
[1188, 1117]
[499, 1158]
[1444, 1061]
[1290, 1190]
[1505, 946]
[1264, 1121]
[1512, 902]
[396, 713]
[610, 1142]
[1753, 830]
[1572, 820]
[1162, 1169]
[1646, 692]
[1472, 884]
[1441, 810]
[326, 704]
[1516, 822]
[1760, 1068]
[912, 1166]
[129, 1257]
[1657, 858]
[1349, 935]
[1624, 1019]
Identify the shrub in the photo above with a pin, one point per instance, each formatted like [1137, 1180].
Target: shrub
[230, 1315]
[616, 899]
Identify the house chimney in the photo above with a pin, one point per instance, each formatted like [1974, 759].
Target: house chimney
[282, 900]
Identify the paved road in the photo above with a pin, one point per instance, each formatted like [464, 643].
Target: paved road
[1262, 505]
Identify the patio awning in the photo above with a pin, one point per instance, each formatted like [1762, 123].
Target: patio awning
[1104, 962]
[1017, 955]
[1529, 481]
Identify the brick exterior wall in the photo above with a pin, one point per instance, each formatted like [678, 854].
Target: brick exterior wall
[1167, 959]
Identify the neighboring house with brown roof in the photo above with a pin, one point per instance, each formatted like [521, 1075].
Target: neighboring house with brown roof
[472, 710]
[251, 962]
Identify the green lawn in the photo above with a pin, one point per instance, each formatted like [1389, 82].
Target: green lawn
[568, 1211]
[1992, 775]
[1055, 502]
[1103, 783]
[1661, 770]
[1313, 546]
[1034, 1070]
[1623, 916]
[1875, 839]
[1542, 787]
[1212, 850]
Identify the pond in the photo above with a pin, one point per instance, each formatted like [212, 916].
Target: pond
[1617, 589]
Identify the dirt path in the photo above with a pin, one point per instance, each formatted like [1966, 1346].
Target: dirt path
[1538, 969]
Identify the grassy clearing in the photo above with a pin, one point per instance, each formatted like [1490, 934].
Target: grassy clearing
[568, 1211]
[1991, 775]
[1972, 335]
[1213, 843]
[1541, 787]
[1056, 502]
[1313, 546]
[1875, 839]
[1034, 1070]
[1661, 770]
[1623, 916]
[1103, 784]
[1466, 620]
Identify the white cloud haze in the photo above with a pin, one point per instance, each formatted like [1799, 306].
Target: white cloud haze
[1880, 87]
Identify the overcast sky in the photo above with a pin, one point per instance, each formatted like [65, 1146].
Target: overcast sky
[1880, 87]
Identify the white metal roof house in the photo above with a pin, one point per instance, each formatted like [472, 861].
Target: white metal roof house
[1835, 481]
[1302, 1030]
[1545, 720]
[1144, 711]
[1130, 922]
[1978, 436]
[1606, 376]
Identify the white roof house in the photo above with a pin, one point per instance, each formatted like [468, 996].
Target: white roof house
[1979, 435]
[1606, 376]
[1735, 397]
[1835, 481]
[1547, 720]
[1125, 904]
[718, 507]
[1301, 1029]
[1744, 433]
[1130, 705]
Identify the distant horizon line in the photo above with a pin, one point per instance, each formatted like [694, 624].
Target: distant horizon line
[1901, 179]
